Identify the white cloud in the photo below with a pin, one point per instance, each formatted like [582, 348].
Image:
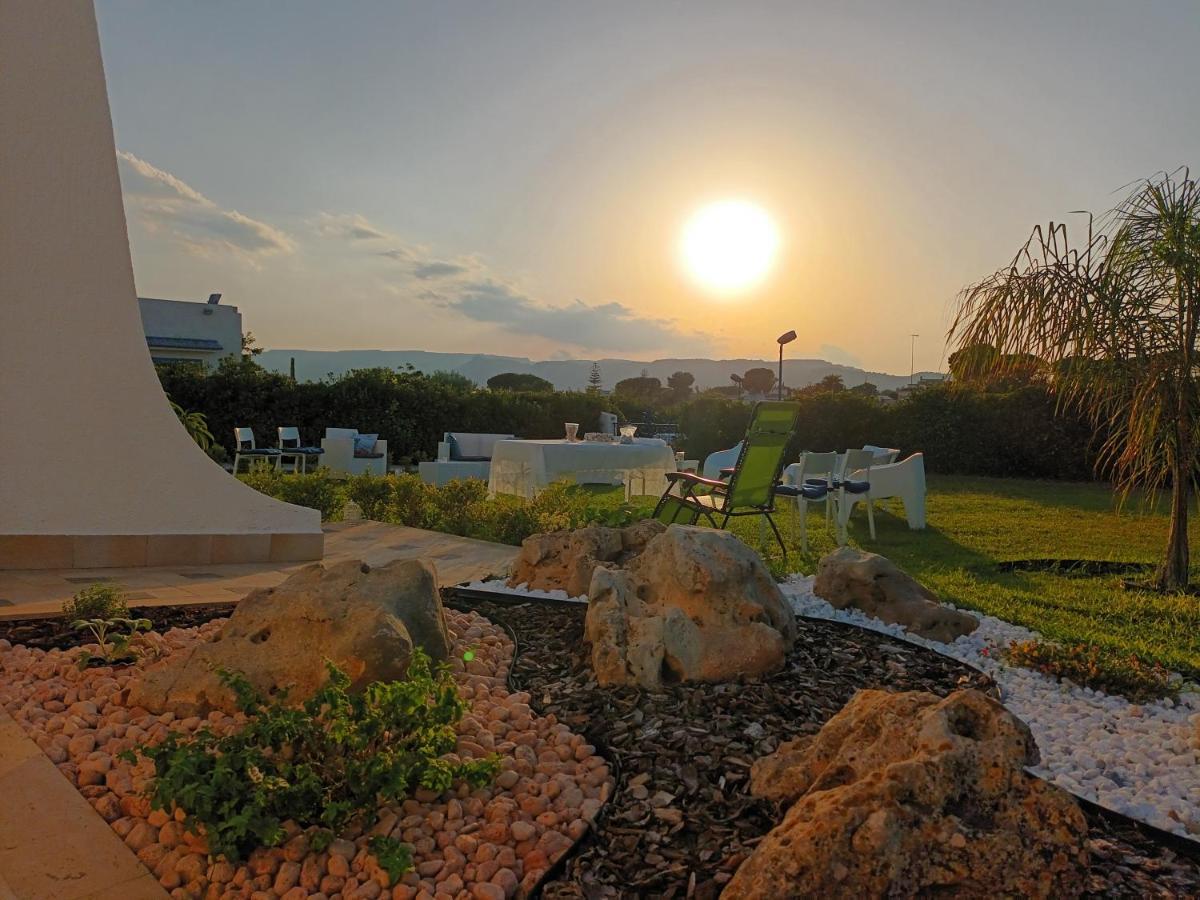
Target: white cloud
[604, 326]
[167, 204]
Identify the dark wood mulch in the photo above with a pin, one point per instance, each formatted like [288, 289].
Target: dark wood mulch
[54, 632]
[682, 819]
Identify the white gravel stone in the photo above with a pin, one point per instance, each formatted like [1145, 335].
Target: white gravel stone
[1135, 759]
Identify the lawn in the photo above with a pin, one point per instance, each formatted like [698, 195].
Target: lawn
[976, 524]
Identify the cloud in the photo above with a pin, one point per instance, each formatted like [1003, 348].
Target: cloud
[165, 203]
[437, 269]
[603, 326]
[352, 227]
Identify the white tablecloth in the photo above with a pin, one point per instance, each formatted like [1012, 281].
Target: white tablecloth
[526, 467]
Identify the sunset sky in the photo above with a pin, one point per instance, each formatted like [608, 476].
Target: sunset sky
[514, 177]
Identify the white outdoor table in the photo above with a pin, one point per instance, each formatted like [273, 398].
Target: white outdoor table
[526, 467]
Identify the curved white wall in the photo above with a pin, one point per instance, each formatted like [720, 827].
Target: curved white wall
[88, 444]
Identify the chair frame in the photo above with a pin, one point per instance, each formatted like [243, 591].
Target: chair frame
[298, 454]
[689, 482]
[826, 464]
[243, 435]
[863, 459]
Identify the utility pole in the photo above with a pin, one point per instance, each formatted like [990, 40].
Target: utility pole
[912, 358]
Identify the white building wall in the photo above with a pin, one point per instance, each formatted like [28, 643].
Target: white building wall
[195, 321]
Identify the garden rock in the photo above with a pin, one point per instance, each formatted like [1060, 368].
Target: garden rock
[565, 560]
[878, 587]
[695, 605]
[909, 794]
[364, 619]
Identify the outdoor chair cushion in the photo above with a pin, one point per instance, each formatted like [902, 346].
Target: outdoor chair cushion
[259, 451]
[855, 487]
[364, 446]
[456, 451]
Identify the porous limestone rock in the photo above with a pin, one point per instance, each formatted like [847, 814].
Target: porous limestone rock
[878, 587]
[910, 794]
[564, 560]
[364, 619]
[695, 605]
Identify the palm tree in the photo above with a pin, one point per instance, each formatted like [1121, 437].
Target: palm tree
[1116, 321]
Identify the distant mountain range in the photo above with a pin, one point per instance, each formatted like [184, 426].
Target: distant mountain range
[566, 374]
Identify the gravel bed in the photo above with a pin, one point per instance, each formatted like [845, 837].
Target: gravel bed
[492, 843]
[1137, 759]
[681, 819]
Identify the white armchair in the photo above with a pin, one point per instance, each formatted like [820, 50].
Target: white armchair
[461, 454]
[721, 459]
[339, 456]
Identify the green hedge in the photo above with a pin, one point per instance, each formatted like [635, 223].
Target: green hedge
[961, 429]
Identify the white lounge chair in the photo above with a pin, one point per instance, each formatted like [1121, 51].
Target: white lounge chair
[344, 458]
[461, 454]
[904, 479]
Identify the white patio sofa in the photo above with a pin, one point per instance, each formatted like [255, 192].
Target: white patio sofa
[461, 454]
[338, 445]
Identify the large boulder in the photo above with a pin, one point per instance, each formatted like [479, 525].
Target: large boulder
[878, 587]
[695, 605]
[565, 560]
[910, 794]
[366, 620]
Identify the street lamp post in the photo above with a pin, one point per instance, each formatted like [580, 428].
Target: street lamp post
[781, 340]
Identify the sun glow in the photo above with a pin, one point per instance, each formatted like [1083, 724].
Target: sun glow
[728, 247]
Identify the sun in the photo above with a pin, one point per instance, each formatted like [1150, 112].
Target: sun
[729, 246]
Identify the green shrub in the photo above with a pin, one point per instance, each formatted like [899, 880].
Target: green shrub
[317, 490]
[332, 761]
[1099, 668]
[456, 503]
[372, 493]
[411, 502]
[97, 601]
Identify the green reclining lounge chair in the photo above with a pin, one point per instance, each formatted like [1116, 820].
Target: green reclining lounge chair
[750, 490]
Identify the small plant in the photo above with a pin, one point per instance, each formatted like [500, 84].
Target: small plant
[329, 762]
[394, 857]
[96, 601]
[195, 424]
[1089, 665]
[115, 637]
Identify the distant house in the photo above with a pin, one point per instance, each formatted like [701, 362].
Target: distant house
[924, 382]
[191, 331]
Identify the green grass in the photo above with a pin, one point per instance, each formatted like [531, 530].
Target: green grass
[976, 523]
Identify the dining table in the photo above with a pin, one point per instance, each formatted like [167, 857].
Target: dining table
[525, 467]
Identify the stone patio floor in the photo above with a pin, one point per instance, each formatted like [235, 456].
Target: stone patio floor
[38, 592]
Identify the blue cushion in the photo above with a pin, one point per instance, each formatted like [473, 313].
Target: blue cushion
[856, 487]
[455, 450]
[261, 451]
[365, 443]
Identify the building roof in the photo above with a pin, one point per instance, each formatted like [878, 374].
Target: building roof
[177, 343]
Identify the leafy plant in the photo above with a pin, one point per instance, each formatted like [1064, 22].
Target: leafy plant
[97, 601]
[195, 424]
[317, 490]
[1089, 665]
[332, 760]
[115, 637]
[372, 493]
[394, 857]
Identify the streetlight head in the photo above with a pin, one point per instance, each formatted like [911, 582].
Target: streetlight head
[786, 338]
